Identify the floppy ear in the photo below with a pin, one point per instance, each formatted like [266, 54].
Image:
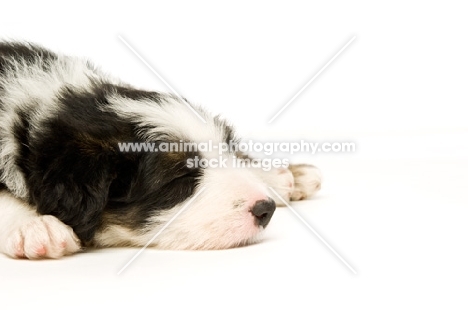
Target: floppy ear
[69, 160]
[74, 188]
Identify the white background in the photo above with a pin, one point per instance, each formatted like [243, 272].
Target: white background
[396, 209]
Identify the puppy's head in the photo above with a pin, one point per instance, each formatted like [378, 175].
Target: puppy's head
[169, 193]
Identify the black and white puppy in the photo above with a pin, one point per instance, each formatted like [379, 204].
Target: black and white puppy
[65, 184]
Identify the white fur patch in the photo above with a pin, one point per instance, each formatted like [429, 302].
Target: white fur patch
[169, 119]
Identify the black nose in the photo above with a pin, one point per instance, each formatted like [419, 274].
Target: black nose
[263, 211]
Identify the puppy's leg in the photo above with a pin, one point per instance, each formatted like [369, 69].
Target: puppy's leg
[26, 234]
[297, 182]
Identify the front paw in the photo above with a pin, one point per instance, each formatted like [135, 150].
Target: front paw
[42, 237]
[307, 181]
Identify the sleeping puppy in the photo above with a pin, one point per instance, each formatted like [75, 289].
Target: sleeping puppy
[66, 183]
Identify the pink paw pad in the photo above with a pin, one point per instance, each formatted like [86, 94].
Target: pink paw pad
[41, 251]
